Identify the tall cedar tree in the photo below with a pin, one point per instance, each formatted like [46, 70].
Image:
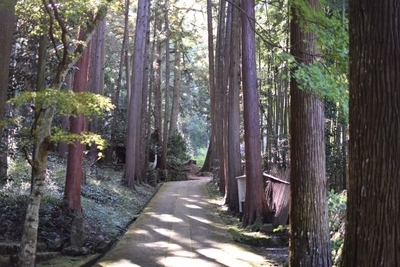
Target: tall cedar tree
[207, 166]
[96, 79]
[132, 170]
[122, 61]
[373, 211]
[167, 114]
[220, 98]
[73, 181]
[177, 86]
[7, 19]
[234, 160]
[309, 232]
[255, 208]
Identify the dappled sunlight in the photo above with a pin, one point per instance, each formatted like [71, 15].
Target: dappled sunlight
[231, 256]
[142, 232]
[184, 261]
[193, 207]
[182, 231]
[163, 231]
[199, 219]
[120, 263]
[169, 218]
[158, 244]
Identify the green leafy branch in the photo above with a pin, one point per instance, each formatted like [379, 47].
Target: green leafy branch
[65, 102]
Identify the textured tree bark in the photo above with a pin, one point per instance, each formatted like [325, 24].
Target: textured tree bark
[255, 208]
[167, 114]
[234, 160]
[123, 59]
[207, 166]
[27, 255]
[309, 232]
[220, 98]
[73, 181]
[144, 141]
[7, 20]
[373, 212]
[96, 79]
[63, 147]
[177, 86]
[133, 134]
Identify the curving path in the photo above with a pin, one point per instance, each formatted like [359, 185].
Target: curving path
[177, 228]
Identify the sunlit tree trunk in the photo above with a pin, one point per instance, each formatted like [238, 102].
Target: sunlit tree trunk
[7, 20]
[373, 211]
[73, 181]
[255, 208]
[309, 232]
[133, 134]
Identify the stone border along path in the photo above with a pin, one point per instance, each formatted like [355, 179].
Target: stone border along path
[178, 229]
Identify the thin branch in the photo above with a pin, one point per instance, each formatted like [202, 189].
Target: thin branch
[51, 29]
[64, 30]
[28, 158]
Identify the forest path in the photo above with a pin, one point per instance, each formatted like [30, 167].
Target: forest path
[180, 228]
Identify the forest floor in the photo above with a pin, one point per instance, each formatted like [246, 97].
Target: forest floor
[109, 208]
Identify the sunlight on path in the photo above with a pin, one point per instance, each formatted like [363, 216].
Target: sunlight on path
[176, 229]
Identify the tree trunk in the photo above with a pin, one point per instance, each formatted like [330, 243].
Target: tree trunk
[145, 119]
[233, 142]
[157, 90]
[133, 134]
[167, 114]
[43, 123]
[7, 20]
[309, 232]
[96, 79]
[27, 255]
[373, 212]
[208, 163]
[73, 181]
[220, 97]
[255, 208]
[63, 146]
[176, 95]
[122, 61]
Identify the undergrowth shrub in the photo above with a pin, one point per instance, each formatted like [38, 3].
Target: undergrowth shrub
[177, 150]
[337, 215]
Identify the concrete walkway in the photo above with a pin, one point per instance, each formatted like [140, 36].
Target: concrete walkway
[177, 229]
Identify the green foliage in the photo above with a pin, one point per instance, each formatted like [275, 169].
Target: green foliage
[281, 228]
[84, 137]
[201, 155]
[69, 103]
[177, 150]
[328, 75]
[66, 102]
[336, 214]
